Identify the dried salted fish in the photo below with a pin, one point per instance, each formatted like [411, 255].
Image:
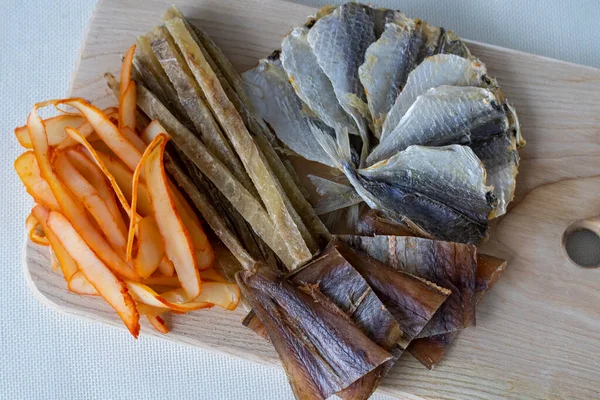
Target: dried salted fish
[321, 349]
[338, 274]
[276, 102]
[309, 81]
[450, 265]
[334, 196]
[416, 84]
[438, 190]
[388, 62]
[430, 350]
[434, 71]
[339, 41]
[442, 116]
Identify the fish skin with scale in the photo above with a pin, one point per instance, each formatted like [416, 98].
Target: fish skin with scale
[311, 84]
[276, 102]
[339, 41]
[434, 71]
[388, 62]
[422, 199]
[442, 116]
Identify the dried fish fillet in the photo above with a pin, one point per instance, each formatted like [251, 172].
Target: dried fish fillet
[321, 349]
[449, 265]
[435, 71]
[438, 190]
[334, 196]
[338, 274]
[430, 350]
[339, 41]
[388, 62]
[445, 115]
[277, 103]
[309, 81]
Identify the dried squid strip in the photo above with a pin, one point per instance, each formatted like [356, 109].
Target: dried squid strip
[193, 101]
[254, 161]
[214, 170]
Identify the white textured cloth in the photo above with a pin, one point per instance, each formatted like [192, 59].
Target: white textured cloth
[46, 355]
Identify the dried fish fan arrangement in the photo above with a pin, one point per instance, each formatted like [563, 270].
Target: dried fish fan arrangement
[337, 310]
[403, 109]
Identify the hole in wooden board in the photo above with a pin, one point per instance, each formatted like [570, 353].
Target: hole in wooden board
[581, 243]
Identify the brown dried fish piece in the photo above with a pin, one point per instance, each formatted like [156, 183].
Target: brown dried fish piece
[254, 161]
[192, 99]
[373, 222]
[338, 273]
[430, 350]
[450, 265]
[322, 351]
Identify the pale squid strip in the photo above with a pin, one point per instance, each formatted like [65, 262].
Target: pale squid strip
[146, 295]
[126, 70]
[67, 265]
[70, 206]
[166, 267]
[111, 288]
[94, 175]
[225, 295]
[108, 132]
[134, 185]
[157, 323]
[127, 105]
[55, 129]
[178, 244]
[91, 200]
[87, 131]
[80, 285]
[210, 275]
[134, 139]
[151, 248]
[31, 224]
[29, 173]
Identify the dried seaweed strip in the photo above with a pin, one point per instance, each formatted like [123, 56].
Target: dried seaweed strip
[322, 351]
[216, 172]
[252, 158]
[191, 98]
[447, 264]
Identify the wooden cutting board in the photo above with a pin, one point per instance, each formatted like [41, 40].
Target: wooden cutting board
[538, 330]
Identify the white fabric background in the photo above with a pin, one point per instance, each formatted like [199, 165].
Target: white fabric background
[46, 355]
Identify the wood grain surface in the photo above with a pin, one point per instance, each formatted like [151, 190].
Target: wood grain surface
[538, 330]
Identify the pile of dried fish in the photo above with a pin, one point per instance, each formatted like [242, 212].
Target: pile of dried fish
[403, 109]
[339, 310]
